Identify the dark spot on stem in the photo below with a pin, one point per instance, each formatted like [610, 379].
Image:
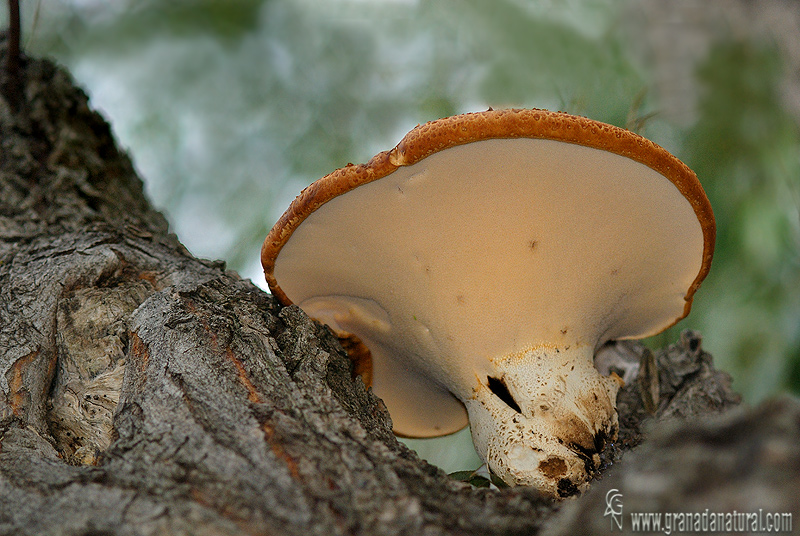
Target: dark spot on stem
[498, 387]
[553, 467]
[566, 488]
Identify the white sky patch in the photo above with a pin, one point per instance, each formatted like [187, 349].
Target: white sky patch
[204, 234]
[255, 272]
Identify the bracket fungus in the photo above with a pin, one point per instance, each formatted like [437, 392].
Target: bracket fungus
[479, 265]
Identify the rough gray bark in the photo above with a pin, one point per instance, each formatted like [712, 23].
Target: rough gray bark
[747, 461]
[143, 391]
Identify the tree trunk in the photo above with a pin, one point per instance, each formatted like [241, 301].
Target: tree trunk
[144, 391]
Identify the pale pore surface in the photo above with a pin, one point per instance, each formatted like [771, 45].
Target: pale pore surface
[488, 249]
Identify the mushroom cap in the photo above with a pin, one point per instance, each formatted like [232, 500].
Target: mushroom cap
[485, 235]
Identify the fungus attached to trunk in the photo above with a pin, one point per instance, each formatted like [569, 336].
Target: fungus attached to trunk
[482, 262]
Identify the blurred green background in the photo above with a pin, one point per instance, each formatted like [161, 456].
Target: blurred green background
[230, 107]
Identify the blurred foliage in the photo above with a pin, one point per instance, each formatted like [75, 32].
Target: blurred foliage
[479, 480]
[746, 148]
[231, 107]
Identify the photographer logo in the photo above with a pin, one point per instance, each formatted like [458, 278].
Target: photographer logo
[614, 508]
